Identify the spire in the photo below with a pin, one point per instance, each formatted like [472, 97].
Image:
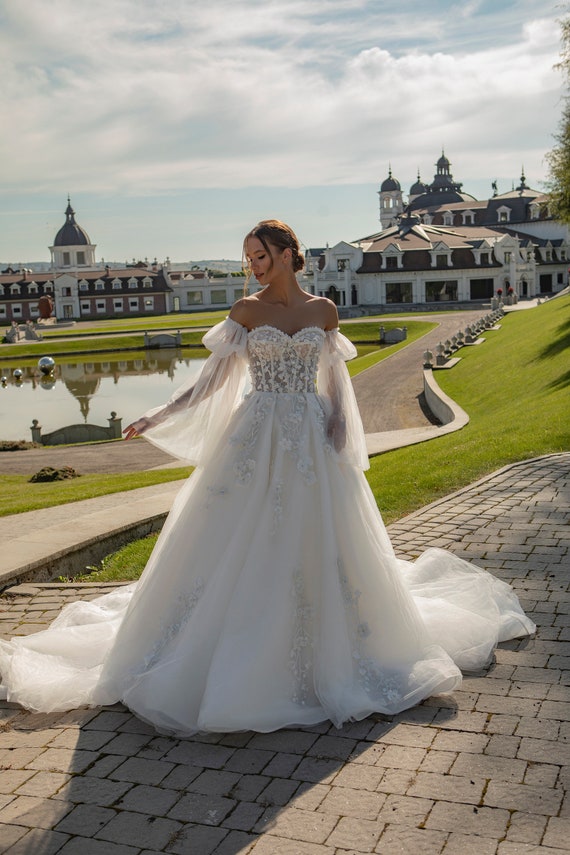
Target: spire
[69, 212]
[523, 185]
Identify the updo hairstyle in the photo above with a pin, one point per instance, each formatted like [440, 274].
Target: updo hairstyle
[279, 235]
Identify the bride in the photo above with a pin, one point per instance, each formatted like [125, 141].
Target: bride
[273, 596]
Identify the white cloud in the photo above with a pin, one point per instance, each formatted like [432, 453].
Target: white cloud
[141, 96]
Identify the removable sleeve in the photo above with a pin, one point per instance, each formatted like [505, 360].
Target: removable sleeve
[334, 384]
[191, 423]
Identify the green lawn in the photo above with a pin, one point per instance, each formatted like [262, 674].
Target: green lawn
[515, 388]
[17, 494]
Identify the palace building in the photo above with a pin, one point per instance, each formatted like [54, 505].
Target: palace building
[79, 287]
[83, 289]
[441, 245]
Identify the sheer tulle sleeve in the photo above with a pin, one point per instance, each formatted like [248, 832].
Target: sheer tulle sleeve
[190, 424]
[335, 386]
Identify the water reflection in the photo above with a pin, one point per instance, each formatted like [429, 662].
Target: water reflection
[87, 389]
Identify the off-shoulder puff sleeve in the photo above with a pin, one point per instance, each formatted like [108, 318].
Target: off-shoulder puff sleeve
[190, 424]
[334, 384]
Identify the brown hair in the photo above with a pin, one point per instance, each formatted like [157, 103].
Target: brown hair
[279, 235]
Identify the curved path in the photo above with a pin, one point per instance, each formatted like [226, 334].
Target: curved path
[389, 394]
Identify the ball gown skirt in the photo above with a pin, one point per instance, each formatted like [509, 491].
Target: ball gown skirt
[273, 596]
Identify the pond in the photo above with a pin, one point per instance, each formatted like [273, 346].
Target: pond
[88, 389]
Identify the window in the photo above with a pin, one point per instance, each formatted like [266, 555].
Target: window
[84, 285]
[133, 283]
[439, 291]
[481, 289]
[99, 285]
[147, 282]
[149, 304]
[15, 289]
[16, 310]
[545, 283]
[484, 258]
[399, 292]
[562, 255]
[218, 295]
[342, 264]
[48, 287]
[133, 304]
[441, 260]
[238, 293]
[117, 284]
[66, 292]
[2, 311]
[101, 307]
[548, 255]
[85, 307]
[81, 257]
[66, 258]
[32, 288]
[118, 304]
[391, 262]
[194, 297]
[447, 219]
[34, 310]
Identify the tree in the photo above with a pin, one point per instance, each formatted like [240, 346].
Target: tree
[559, 158]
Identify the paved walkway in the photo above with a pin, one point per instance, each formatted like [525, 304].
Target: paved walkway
[484, 771]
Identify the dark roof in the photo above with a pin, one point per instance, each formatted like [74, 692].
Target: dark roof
[106, 275]
[419, 187]
[390, 184]
[71, 234]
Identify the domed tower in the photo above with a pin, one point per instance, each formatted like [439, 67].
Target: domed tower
[391, 201]
[417, 189]
[443, 179]
[72, 247]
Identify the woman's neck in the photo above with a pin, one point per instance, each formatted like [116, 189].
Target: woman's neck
[284, 291]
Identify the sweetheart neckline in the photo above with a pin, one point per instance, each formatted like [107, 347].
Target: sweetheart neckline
[286, 334]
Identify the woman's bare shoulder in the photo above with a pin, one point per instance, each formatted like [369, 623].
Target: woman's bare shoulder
[327, 312]
[243, 310]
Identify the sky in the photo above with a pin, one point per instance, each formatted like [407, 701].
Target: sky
[176, 125]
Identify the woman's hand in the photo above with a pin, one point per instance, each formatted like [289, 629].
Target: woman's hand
[336, 431]
[137, 428]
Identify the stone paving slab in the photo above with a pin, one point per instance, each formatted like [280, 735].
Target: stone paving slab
[484, 771]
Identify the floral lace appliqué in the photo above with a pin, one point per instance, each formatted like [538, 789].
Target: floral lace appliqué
[378, 682]
[246, 440]
[282, 363]
[185, 605]
[301, 654]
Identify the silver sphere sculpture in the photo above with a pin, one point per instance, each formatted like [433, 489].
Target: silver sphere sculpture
[18, 374]
[46, 365]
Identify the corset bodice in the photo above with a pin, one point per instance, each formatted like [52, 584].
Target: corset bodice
[279, 362]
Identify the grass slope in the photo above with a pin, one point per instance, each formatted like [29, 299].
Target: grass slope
[18, 495]
[515, 388]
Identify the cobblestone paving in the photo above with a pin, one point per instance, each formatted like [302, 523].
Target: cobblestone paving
[484, 771]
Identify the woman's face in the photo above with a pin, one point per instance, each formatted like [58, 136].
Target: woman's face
[261, 261]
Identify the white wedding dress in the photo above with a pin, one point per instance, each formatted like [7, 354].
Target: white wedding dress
[273, 596]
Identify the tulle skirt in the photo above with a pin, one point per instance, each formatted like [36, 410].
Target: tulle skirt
[273, 597]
